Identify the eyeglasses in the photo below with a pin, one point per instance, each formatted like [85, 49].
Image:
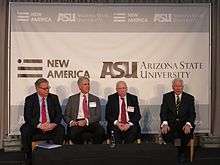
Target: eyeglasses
[46, 88]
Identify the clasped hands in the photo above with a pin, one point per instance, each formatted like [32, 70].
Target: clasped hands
[80, 123]
[165, 129]
[123, 127]
[47, 126]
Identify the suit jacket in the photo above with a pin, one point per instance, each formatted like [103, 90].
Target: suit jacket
[32, 109]
[112, 109]
[186, 111]
[72, 108]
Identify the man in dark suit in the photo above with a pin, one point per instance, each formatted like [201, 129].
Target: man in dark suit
[82, 114]
[42, 115]
[177, 116]
[123, 114]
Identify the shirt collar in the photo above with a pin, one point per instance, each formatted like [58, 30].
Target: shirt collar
[40, 97]
[82, 94]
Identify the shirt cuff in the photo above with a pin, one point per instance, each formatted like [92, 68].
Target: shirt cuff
[164, 123]
[39, 125]
[115, 122]
[87, 121]
[188, 123]
[71, 122]
[130, 123]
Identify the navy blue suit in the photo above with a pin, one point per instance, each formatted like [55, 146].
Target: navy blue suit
[112, 113]
[32, 115]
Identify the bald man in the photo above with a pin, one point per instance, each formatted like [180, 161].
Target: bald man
[123, 114]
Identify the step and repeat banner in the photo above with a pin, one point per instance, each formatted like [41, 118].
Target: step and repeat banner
[146, 45]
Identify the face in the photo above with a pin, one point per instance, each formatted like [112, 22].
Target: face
[43, 89]
[121, 89]
[84, 86]
[178, 87]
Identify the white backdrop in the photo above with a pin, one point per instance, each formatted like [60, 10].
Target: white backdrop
[105, 44]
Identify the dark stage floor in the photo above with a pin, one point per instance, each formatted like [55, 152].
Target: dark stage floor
[203, 156]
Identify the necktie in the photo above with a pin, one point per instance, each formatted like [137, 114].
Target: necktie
[177, 104]
[123, 112]
[85, 107]
[43, 111]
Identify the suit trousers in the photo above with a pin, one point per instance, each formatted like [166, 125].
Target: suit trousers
[94, 132]
[177, 132]
[28, 133]
[128, 136]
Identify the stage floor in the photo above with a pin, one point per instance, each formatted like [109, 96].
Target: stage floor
[203, 156]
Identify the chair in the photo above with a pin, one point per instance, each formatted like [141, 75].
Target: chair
[177, 142]
[191, 145]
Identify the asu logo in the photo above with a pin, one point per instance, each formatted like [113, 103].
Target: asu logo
[119, 70]
[66, 17]
[162, 17]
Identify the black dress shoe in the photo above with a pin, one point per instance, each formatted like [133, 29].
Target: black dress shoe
[181, 158]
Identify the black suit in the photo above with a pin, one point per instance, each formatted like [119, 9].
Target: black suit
[32, 115]
[176, 121]
[112, 114]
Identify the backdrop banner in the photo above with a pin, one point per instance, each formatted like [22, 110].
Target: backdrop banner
[146, 45]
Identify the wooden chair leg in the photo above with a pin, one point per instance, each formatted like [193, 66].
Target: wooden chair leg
[33, 145]
[191, 149]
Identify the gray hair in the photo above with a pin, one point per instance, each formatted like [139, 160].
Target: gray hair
[81, 79]
[177, 79]
[40, 80]
[121, 82]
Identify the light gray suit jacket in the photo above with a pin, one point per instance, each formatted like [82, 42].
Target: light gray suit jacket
[72, 108]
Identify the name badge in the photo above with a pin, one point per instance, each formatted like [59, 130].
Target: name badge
[130, 109]
[92, 104]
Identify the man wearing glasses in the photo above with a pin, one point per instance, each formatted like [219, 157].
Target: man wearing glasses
[42, 115]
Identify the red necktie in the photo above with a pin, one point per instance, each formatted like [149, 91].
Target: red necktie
[123, 112]
[43, 111]
[85, 107]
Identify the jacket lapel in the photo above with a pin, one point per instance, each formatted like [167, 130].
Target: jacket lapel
[173, 102]
[117, 104]
[77, 105]
[49, 105]
[36, 102]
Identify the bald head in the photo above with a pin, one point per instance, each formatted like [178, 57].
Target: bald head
[121, 88]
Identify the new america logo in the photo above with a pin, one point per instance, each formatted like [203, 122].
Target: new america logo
[50, 68]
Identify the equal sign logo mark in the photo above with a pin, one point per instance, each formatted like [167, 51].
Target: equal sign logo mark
[119, 17]
[22, 16]
[27, 71]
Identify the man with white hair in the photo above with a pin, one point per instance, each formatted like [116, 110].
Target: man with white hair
[177, 116]
[123, 114]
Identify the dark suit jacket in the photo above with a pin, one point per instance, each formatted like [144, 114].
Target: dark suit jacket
[112, 109]
[32, 109]
[72, 108]
[186, 113]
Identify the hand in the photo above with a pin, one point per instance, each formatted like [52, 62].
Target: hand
[126, 127]
[165, 129]
[45, 127]
[73, 123]
[81, 123]
[120, 126]
[186, 128]
[51, 126]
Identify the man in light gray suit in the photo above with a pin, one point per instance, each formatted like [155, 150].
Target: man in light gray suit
[82, 114]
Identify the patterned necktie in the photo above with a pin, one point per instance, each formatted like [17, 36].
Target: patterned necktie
[43, 111]
[177, 104]
[85, 107]
[123, 112]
